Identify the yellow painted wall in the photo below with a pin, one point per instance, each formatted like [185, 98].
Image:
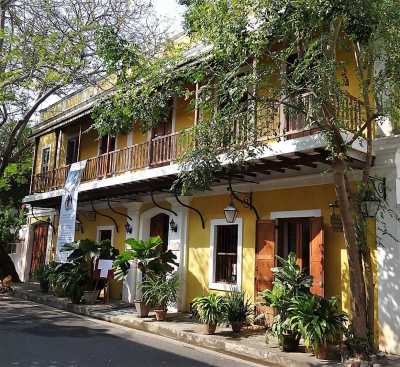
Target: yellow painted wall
[306, 198]
[45, 141]
[184, 114]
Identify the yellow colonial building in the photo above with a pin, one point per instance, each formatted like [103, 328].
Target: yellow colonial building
[284, 199]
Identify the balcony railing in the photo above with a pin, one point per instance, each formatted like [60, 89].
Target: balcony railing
[157, 152]
[272, 124]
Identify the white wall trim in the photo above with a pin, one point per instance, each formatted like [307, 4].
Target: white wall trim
[105, 228]
[212, 258]
[297, 214]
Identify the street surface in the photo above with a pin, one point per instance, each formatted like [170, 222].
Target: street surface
[33, 335]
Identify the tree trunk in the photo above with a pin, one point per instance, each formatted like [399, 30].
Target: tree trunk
[356, 274]
[370, 292]
[7, 266]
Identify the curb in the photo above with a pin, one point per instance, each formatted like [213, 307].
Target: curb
[274, 358]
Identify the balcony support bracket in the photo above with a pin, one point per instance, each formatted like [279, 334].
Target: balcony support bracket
[104, 215]
[161, 207]
[190, 207]
[245, 203]
[116, 212]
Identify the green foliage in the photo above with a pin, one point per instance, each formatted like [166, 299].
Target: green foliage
[160, 290]
[81, 258]
[150, 257]
[11, 221]
[317, 319]
[210, 309]
[238, 307]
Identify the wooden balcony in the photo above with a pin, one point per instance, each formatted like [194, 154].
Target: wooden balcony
[272, 124]
[157, 152]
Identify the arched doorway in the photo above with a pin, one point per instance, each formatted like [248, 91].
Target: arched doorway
[159, 226]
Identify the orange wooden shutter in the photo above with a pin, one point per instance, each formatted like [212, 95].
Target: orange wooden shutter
[265, 254]
[317, 256]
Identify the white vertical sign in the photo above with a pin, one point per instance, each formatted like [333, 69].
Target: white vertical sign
[69, 204]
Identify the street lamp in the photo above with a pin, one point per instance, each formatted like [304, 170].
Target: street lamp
[173, 226]
[230, 212]
[370, 207]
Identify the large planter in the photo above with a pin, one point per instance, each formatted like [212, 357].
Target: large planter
[59, 291]
[90, 297]
[210, 329]
[289, 342]
[236, 326]
[161, 314]
[142, 309]
[44, 285]
[327, 351]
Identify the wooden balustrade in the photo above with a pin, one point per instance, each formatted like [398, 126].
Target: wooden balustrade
[272, 123]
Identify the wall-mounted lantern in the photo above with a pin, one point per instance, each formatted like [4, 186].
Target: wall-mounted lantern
[128, 228]
[230, 212]
[336, 220]
[173, 226]
[374, 194]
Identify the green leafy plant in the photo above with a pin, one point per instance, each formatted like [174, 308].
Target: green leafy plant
[239, 309]
[83, 254]
[318, 320]
[159, 290]
[210, 309]
[150, 257]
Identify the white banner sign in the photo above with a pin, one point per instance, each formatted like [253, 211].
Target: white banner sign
[69, 203]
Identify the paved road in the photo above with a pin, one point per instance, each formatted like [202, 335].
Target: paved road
[33, 335]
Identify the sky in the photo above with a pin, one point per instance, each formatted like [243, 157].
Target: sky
[171, 10]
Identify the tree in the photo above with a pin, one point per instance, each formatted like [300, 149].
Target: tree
[48, 47]
[262, 50]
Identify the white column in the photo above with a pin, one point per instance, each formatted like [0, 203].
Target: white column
[177, 242]
[130, 282]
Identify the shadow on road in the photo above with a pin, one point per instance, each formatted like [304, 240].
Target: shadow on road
[33, 335]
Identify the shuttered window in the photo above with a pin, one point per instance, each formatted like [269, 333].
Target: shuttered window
[226, 253]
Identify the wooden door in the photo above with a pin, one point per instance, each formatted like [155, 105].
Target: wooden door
[159, 226]
[39, 246]
[317, 256]
[265, 255]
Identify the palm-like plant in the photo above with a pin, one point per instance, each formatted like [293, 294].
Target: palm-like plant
[150, 257]
[159, 291]
[210, 309]
[238, 308]
[319, 320]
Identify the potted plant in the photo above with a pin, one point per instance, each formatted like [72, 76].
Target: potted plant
[210, 310]
[160, 291]
[290, 282]
[238, 310]
[151, 259]
[319, 321]
[41, 275]
[73, 278]
[83, 254]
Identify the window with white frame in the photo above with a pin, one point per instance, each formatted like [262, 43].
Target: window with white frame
[105, 233]
[225, 254]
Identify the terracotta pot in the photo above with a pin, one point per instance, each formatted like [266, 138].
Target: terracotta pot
[161, 314]
[142, 309]
[289, 342]
[323, 351]
[210, 328]
[44, 285]
[90, 297]
[236, 326]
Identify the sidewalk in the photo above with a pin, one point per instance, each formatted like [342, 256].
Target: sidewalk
[250, 344]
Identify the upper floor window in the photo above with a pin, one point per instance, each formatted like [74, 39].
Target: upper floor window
[106, 144]
[72, 151]
[45, 162]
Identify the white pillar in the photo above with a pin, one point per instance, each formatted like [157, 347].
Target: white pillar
[177, 242]
[130, 282]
